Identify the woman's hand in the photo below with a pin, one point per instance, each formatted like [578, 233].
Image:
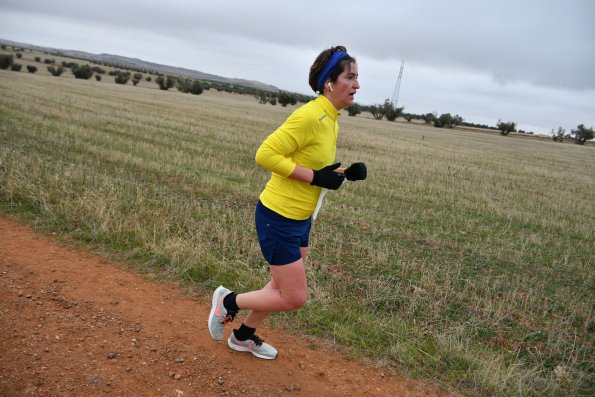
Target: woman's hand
[328, 178]
[356, 172]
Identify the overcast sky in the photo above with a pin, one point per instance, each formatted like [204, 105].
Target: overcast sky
[527, 61]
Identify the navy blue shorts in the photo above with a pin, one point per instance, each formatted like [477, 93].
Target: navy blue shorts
[280, 238]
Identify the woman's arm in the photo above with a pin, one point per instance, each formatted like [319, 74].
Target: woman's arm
[302, 174]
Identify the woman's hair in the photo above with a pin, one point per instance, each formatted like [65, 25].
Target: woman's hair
[321, 61]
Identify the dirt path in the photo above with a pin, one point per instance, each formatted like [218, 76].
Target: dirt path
[72, 324]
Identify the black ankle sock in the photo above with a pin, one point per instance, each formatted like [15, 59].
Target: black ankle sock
[244, 332]
[229, 302]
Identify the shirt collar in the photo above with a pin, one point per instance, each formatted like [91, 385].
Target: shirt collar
[327, 106]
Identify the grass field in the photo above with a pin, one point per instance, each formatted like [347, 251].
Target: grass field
[464, 257]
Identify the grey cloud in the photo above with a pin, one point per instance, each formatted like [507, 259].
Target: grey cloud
[549, 43]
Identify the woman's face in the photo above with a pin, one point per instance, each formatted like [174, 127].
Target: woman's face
[344, 89]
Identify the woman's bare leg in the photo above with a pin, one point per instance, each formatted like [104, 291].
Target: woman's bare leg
[286, 291]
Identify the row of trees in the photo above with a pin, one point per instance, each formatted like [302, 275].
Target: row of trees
[391, 112]
[284, 98]
[87, 71]
[580, 134]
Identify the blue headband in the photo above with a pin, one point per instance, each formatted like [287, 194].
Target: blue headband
[328, 68]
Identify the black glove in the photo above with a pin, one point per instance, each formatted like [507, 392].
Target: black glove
[327, 178]
[356, 172]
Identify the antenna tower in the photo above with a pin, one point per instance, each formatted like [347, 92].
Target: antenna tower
[398, 86]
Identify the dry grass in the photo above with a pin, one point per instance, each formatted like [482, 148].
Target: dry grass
[464, 257]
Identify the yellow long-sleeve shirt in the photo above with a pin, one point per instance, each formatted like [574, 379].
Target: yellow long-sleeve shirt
[307, 138]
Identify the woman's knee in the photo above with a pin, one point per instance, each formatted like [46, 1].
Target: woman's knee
[296, 300]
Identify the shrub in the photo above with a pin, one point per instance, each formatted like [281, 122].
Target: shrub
[559, 135]
[582, 134]
[136, 78]
[49, 61]
[122, 78]
[37, 59]
[19, 55]
[286, 98]
[71, 65]
[5, 61]
[506, 127]
[196, 88]
[83, 72]
[377, 111]
[354, 109]
[390, 111]
[55, 70]
[457, 120]
[148, 78]
[16, 67]
[429, 118]
[165, 83]
[98, 77]
[31, 68]
[445, 120]
[183, 84]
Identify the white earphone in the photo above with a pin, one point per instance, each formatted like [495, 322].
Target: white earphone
[330, 86]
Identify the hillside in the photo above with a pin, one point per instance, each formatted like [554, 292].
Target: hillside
[141, 64]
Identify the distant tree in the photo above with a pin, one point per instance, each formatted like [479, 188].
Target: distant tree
[98, 77]
[285, 98]
[183, 84]
[196, 88]
[83, 72]
[390, 111]
[55, 70]
[582, 134]
[122, 78]
[49, 61]
[354, 109]
[148, 78]
[16, 67]
[19, 55]
[70, 65]
[457, 120]
[37, 59]
[273, 101]
[506, 127]
[136, 78]
[429, 118]
[377, 111]
[444, 121]
[31, 68]
[165, 83]
[5, 61]
[559, 135]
